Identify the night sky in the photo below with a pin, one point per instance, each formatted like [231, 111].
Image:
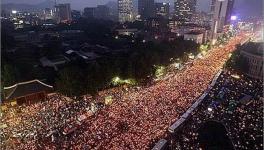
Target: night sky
[242, 7]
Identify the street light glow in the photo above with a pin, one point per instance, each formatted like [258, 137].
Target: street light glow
[119, 81]
[235, 76]
[14, 11]
[160, 71]
[233, 18]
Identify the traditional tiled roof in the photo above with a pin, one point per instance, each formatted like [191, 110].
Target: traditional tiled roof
[26, 88]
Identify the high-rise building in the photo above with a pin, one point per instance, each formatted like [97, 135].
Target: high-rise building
[89, 12]
[113, 11]
[229, 11]
[125, 10]
[184, 9]
[221, 11]
[63, 13]
[102, 12]
[146, 8]
[48, 14]
[162, 9]
[201, 18]
[76, 14]
[99, 12]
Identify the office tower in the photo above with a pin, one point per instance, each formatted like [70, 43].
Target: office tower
[99, 12]
[102, 12]
[63, 13]
[220, 15]
[89, 12]
[184, 9]
[146, 8]
[125, 11]
[76, 14]
[229, 11]
[162, 9]
[113, 10]
[201, 18]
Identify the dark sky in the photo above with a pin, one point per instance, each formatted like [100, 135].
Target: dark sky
[242, 7]
[79, 4]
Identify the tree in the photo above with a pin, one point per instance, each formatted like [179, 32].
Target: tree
[237, 62]
[70, 81]
[242, 65]
[8, 75]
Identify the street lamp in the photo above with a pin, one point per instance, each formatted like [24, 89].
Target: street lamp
[14, 11]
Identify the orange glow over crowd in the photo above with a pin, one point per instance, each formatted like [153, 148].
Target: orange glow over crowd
[136, 119]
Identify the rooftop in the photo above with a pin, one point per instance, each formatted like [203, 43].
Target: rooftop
[25, 88]
[194, 33]
[255, 48]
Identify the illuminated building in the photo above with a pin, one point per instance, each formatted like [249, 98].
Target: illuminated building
[184, 9]
[201, 18]
[125, 11]
[220, 15]
[197, 37]
[162, 9]
[246, 26]
[146, 8]
[24, 19]
[48, 14]
[63, 13]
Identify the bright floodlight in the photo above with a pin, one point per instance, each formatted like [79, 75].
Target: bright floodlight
[160, 71]
[210, 109]
[191, 56]
[177, 65]
[235, 76]
[116, 79]
[14, 11]
[233, 18]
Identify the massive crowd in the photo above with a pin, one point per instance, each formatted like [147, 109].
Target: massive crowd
[242, 117]
[136, 119]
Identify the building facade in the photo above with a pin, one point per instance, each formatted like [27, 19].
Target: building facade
[48, 14]
[27, 92]
[125, 11]
[76, 15]
[89, 12]
[194, 36]
[253, 55]
[99, 12]
[162, 10]
[146, 8]
[221, 11]
[63, 13]
[184, 9]
[102, 12]
[201, 19]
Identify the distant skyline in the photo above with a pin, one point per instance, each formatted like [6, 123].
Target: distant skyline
[242, 7]
[80, 4]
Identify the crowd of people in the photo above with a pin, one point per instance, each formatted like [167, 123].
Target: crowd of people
[136, 118]
[29, 124]
[243, 119]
